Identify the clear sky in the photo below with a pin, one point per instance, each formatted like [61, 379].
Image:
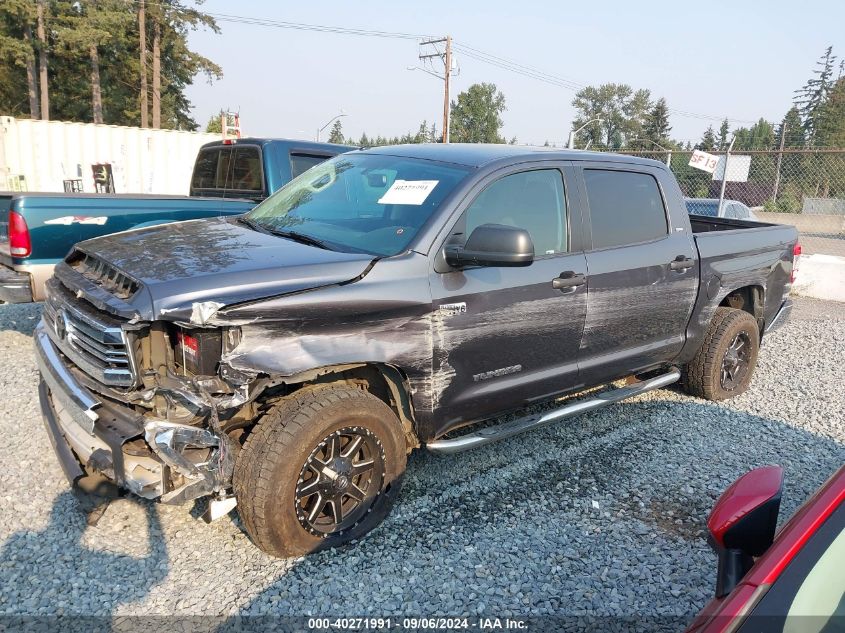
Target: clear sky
[738, 59]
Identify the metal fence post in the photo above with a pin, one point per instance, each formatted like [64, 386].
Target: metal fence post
[725, 176]
[780, 159]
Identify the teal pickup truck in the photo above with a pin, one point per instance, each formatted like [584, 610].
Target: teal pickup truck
[229, 178]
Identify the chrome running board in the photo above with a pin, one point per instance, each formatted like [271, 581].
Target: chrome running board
[529, 423]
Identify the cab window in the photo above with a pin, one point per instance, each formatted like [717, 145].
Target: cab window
[300, 163]
[625, 207]
[228, 168]
[530, 200]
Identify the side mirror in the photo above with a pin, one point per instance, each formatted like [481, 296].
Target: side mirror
[492, 245]
[742, 524]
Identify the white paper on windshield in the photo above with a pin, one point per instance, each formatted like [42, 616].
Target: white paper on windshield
[408, 192]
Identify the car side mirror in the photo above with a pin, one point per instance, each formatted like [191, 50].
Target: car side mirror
[492, 245]
[742, 524]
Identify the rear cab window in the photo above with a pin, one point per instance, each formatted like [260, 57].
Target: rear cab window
[626, 207]
[229, 171]
[301, 162]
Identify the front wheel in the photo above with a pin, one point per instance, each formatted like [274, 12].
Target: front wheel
[724, 364]
[323, 467]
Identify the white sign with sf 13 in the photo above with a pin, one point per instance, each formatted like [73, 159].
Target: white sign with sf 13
[703, 161]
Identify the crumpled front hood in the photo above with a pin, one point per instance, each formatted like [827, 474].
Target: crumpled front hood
[217, 260]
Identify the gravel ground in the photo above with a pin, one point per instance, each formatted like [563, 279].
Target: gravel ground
[603, 515]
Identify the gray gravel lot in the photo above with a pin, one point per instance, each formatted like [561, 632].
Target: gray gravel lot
[603, 515]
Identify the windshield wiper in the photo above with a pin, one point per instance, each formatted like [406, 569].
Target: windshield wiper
[291, 235]
[301, 237]
[255, 226]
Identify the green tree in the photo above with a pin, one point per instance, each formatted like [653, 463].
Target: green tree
[91, 38]
[621, 112]
[831, 118]
[791, 163]
[17, 57]
[476, 117]
[336, 135]
[761, 135]
[724, 134]
[794, 129]
[215, 123]
[427, 134]
[179, 64]
[82, 30]
[708, 140]
[656, 127]
[811, 97]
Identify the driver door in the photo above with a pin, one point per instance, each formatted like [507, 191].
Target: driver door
[505, 336]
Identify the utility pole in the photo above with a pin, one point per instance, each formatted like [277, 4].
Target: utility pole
[446, 56]
[780, 158]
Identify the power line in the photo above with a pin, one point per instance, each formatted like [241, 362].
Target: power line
[556, 80]
[466, 50]
[514, 66]
[282, 24]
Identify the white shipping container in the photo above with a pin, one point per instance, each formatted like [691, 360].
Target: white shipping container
[41, 155]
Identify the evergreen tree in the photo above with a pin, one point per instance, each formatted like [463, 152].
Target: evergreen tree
[813, 94]
[422, 134]
[87, 29]
[724, 132]
[215, 123]
[656, 127]
[761, 135]
[18, 73]
[336, 135]
[94, 46]
[794, 129]
[708, 141]
[831, 119]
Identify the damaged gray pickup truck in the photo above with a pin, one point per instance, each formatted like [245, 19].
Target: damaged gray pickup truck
[287, 361]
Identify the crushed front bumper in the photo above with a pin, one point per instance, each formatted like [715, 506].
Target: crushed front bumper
[92, 433]
[15, 287]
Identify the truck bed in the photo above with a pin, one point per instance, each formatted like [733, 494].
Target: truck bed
[740, 253]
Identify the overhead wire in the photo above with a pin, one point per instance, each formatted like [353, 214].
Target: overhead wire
[466, 50]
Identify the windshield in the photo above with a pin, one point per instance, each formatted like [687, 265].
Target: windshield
[709, 208]
[359, 202]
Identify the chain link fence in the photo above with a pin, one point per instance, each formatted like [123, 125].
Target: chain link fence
[802, 187]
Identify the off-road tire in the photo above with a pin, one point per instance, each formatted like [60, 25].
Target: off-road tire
[702, 376]
[269, 466]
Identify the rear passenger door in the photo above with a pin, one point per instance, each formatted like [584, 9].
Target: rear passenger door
[504, 336]
[642, 272]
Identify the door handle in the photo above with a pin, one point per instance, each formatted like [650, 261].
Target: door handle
[568, 279]
[681, 263]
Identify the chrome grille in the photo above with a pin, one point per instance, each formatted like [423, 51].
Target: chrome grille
[104, 275]
[93, 340]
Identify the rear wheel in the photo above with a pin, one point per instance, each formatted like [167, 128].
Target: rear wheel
[322, 468]
[724, 364]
